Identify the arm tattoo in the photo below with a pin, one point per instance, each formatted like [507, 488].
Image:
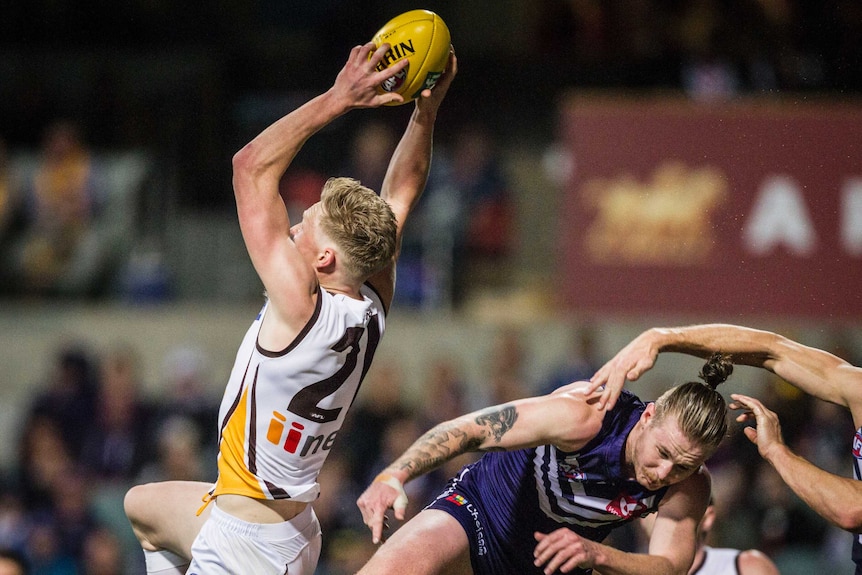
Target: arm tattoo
[499, 421]
[444, 442]
[448, 440]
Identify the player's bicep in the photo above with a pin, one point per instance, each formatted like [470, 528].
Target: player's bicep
[819, 373]
[551, 419]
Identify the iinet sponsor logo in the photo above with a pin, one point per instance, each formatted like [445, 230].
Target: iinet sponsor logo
[296, 440]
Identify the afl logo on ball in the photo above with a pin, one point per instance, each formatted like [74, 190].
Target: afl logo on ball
[394, 83]
[857, 445]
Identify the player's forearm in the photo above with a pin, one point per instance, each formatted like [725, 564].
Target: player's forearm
[747, 346]
[410, 165]
[835, 498]
[812, 370]
[610, 561]
[478, 431]
[444, 442]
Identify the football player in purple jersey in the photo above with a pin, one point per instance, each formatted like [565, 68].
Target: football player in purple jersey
[558, 474]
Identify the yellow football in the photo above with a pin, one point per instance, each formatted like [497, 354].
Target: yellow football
[423, 38]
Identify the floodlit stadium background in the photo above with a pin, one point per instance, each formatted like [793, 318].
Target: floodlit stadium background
[642, 163]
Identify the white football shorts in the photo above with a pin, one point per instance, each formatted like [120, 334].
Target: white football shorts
[230, 546]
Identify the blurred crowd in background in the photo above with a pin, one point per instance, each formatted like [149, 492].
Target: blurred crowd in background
[85, 84]
[182, 90]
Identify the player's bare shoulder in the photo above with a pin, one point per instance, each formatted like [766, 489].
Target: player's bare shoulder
[576, 415]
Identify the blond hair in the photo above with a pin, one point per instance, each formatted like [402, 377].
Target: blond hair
[699, 409]
[361, 223]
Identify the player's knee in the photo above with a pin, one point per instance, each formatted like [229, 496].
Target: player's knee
[135, 504]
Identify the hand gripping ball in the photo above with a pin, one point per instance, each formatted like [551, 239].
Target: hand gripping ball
[423, 38]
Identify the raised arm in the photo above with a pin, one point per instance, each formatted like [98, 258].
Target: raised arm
[257, 168]
[812, 370]
[409, 166]
[568, 420]
[835, 498]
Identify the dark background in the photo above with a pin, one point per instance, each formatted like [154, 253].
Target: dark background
[192, 81]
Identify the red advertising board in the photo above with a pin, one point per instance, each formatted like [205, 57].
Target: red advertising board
[725, 209]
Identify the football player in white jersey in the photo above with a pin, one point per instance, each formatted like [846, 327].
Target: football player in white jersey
[329, 280]
[814, 371]
[723, 561]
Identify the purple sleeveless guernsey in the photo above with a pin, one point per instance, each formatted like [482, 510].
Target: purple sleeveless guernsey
[503, 498]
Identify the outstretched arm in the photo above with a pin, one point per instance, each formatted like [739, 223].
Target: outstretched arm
[812, 370]
[835, 498]
[565, 419]
[260, 164]
[409, 166]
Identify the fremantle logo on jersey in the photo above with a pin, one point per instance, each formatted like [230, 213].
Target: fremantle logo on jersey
[571, 470]
[857, 444]
[626, 507]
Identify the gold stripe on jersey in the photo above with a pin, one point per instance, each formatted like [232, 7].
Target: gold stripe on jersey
[234, 476]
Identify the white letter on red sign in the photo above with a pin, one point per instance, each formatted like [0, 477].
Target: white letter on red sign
[779, 217]
[851, 216]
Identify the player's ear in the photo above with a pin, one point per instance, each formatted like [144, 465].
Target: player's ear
[326, 260]
[649, 412]
[708, 519]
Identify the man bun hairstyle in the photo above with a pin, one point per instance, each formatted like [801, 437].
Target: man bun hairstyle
[716, 370]
[699, 409]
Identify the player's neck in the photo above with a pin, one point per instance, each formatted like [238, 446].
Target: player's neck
[347, 290]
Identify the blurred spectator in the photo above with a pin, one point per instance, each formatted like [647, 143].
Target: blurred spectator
[13, 563]
[61, 203]
[43, 462]
[102, 554]
[445, 395]
[190, 393]
[368, 155]
[349, 549]
[465, 227]
[506, 379]
[45, 553]
[119, 440]
[13, 521]
[178, 456]
[72, 514]
[336, 508]
[380, 401]
[445, 392]
[580, 362]
[68, 397]
[790, 532]
[487, 237]
[300, 189]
